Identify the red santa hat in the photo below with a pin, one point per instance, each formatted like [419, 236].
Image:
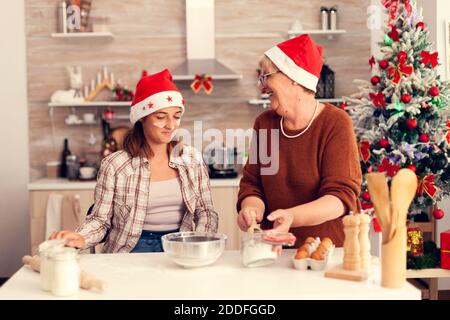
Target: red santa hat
[300, 59]
[155, 92]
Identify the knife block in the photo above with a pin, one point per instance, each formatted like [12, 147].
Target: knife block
[393, 260]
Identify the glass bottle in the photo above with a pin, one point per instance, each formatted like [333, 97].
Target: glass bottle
[109, 145]
[66, 152]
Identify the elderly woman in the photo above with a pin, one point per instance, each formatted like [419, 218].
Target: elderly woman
[154, 186]
[319, 177]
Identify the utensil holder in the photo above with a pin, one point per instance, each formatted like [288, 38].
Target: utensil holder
[393, 260]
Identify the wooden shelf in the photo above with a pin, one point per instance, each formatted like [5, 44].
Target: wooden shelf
[428, 273]
[83, 35]
[91, 104]
[266, 102]
[330, 33]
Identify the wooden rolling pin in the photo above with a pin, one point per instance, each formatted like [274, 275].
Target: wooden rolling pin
[87, 281]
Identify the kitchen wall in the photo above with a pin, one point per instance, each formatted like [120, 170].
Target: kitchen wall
[14, 162]
[151, 35]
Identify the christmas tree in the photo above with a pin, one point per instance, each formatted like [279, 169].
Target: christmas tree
[401, 115]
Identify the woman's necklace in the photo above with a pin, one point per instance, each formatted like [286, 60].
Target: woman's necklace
[307, 127]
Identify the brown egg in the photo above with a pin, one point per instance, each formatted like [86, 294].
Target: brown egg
[309, 240]
[327, 240]
[304, 247]
[325, 244]
[318, 255]
[301, 254]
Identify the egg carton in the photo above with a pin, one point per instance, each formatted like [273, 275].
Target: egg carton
[313, 264]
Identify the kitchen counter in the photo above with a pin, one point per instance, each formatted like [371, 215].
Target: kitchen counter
[64, 184]
[155, 276]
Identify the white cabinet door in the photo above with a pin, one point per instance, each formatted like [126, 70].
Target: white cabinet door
[224, 199]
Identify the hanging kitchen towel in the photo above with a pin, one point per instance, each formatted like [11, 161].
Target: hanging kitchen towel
[71, 214]
[53, 214]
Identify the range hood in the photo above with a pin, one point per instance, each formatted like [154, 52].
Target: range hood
[200, 45]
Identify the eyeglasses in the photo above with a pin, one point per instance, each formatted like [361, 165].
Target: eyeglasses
[262, 80]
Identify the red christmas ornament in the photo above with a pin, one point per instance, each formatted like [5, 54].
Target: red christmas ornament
[434, 91]
[411, 123]
[402, 56]
[412, 167]
[384, 143]
[423, 137]
[365, 196]
[438, 213]
[421, 25]
[383, 64]
[343, 106]
[406, 98]
[375, 80]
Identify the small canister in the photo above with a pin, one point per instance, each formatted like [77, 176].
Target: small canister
[324, 17]
[46, 267]
[333, 18]
[66, 272]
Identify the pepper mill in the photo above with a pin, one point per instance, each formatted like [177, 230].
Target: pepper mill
[364, 242]
[352, 250]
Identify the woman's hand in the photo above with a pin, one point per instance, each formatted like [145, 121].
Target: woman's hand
[282, 220]
[71, 239]
[246, 216]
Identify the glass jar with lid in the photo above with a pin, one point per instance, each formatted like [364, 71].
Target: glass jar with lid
[66, 272]
[46, 268]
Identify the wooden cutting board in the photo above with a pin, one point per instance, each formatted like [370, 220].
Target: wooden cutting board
[339, 272]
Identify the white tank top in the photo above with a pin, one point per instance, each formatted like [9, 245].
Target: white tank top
[166, 207]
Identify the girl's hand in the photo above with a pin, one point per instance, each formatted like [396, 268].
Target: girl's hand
[72, 239]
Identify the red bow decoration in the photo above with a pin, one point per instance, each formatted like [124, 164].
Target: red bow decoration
[378, 99]
[202, 81]
[364, 150]
[393, 34]
[428, 57]
[447, 136]
[392, 6]
[427, 185]
[372, 62]
[401, 69]
[390, 169]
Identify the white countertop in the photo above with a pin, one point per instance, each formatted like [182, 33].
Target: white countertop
[65, 184]
[155, 276]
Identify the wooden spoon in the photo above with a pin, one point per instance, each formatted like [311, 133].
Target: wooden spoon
[403, 191]
[379, 193]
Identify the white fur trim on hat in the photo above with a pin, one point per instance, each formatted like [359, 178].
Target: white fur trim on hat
[291, 69]
[154, 103]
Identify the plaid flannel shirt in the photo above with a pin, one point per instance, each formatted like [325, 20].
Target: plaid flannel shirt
[121, 199]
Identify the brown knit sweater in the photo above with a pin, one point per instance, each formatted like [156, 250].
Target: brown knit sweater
[324, 160]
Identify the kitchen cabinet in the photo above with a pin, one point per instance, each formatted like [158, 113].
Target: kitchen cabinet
[76, 202]
[79, 196]
[224, 199]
